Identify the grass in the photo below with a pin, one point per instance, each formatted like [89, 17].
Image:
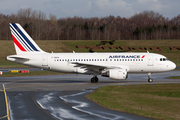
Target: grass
[163, 44]
[31, 73]
[174, 77]
[159, 101]
[7, 48]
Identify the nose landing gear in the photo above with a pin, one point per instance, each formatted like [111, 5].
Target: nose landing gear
[149, 78]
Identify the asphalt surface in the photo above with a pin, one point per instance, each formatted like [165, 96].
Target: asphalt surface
[62, 97]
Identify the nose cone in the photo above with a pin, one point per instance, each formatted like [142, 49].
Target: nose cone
[172, 66]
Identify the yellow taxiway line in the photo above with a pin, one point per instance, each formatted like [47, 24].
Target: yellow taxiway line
[7, 107]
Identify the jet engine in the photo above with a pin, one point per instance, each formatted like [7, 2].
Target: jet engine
[118, 74]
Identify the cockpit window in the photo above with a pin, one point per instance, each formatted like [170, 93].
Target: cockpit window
[163, 59]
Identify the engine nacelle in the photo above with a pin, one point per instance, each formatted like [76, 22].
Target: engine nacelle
[118, 74]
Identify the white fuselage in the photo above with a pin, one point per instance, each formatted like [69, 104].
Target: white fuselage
[64, 62]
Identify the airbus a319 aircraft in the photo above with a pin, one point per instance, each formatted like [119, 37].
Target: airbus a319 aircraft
[113, 65]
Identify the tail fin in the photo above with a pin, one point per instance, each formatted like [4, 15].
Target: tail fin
[22, 41]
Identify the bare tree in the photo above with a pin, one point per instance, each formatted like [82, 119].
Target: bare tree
[144, 25]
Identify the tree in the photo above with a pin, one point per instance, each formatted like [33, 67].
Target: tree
[136, 32]
[143, 25]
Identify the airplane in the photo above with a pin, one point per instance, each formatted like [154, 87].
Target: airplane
[116, 66]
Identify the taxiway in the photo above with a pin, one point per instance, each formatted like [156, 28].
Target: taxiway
[63, 96]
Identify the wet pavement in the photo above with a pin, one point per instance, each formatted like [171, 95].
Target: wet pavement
[63, 96]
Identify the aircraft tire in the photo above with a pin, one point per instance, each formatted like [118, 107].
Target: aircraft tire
[150, 80]
[94, 79]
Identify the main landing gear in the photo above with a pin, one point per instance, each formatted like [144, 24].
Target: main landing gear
[149, 78]
[94, 79]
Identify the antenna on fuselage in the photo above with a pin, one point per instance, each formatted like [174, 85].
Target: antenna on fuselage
[147, 51]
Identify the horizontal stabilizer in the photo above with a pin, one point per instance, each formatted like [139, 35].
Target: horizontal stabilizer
[16, 57]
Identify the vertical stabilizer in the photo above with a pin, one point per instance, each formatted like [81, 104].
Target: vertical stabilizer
[22, 41]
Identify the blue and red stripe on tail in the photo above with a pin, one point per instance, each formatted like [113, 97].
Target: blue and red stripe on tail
[22, 41]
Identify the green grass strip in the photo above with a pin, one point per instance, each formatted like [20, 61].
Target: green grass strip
[160, 101]
[174, 77]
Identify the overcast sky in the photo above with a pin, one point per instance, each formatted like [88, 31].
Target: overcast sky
[92, 8]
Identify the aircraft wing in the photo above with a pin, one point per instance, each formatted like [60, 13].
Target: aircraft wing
[97, 68]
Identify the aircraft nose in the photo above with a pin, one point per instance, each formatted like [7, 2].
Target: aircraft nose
[173, 66]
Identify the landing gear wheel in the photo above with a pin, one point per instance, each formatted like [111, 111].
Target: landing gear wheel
[150, 80]
[94, 79]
